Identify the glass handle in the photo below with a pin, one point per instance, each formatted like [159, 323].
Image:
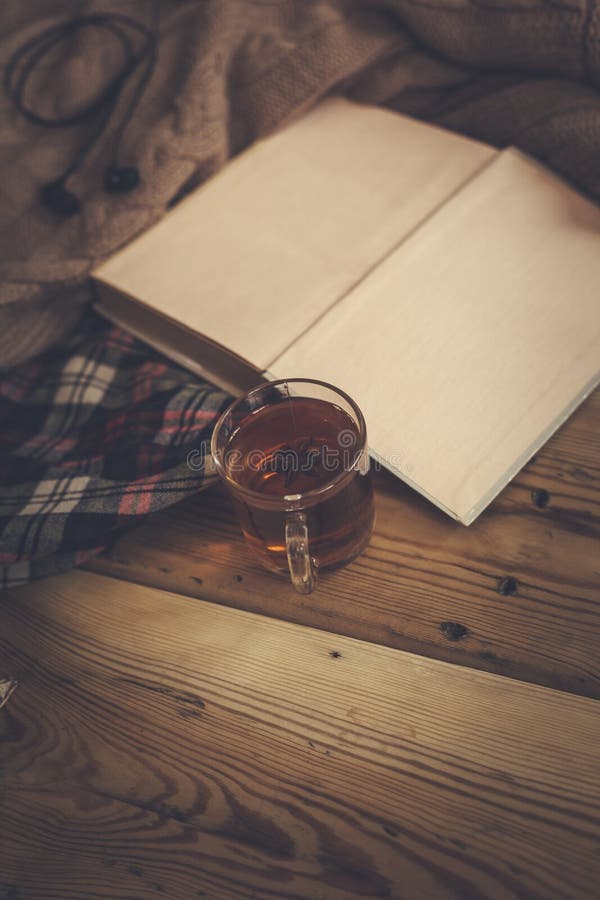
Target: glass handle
[302, 567]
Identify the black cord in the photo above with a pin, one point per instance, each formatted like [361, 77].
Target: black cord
[24, 62]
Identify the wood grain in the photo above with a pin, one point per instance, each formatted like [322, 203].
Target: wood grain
[162, 746]
[517, 593]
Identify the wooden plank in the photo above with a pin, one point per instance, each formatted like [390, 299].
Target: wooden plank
[520, 588]
[163, 746]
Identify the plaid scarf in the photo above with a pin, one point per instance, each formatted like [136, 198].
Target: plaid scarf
[93, 436]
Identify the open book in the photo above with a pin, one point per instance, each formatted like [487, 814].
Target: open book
[450, 288]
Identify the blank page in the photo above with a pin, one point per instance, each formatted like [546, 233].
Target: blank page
[474, 340]
[252, 258]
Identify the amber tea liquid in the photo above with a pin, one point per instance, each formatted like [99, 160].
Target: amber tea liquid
[289, 449]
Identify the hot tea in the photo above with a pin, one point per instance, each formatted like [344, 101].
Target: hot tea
[308, 452]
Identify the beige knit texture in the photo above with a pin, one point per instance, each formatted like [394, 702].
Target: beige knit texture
[524, 72]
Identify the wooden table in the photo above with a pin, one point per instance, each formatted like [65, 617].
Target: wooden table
[426, 725]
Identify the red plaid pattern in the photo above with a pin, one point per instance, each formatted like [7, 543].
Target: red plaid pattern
[94, 435]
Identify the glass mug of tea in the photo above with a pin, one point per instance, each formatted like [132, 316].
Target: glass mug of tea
[293, 454]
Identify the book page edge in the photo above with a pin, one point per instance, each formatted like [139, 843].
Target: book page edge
[467, 517]
[513, 470]
[235, 387]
